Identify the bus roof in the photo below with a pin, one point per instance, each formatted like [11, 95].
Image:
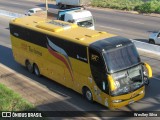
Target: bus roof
[109, 43]
[62, 29]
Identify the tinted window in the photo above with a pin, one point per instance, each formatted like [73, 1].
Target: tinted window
[98, 70]
[31, 11]
[18, 31]
[121, 58]
[73, 50]
[36, 38]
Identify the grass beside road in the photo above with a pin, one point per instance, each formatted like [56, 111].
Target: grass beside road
[10, 101]
[142, 6]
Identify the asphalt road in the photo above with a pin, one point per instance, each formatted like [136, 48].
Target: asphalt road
[124, 24]
[149, 103]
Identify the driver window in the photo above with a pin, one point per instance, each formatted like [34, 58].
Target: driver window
[62, 17]
[98, 70]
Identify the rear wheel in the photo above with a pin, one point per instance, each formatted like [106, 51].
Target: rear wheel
[36, 70]
[29, 66]
[152, 41]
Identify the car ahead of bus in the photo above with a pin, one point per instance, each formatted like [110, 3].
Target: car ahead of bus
[101, 66]
[154, 37]
[78, 15]
[33, 11]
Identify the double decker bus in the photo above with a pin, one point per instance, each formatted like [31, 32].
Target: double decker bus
[103, 67]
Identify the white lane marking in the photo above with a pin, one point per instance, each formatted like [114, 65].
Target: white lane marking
[132, 21]
[17, 3]
[129, 21]
[13, 3]
[109, 28]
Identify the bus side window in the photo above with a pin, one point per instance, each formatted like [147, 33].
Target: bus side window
[98, 70]
[18, 32]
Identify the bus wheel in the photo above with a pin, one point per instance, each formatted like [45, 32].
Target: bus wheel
[29, 66]
[88, 94]
[36, 70]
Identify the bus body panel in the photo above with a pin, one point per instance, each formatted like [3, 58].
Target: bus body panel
[63, 54]
[50, 66]
[56, 70]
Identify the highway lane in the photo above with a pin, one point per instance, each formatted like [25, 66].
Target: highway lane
[125, 24]
[19, 6]
[4, 25]
[149, 103]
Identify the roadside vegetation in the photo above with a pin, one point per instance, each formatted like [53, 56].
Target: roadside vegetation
[142, 6]
[10, 101]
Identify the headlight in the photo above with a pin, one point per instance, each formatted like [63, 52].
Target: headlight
[117, 84]
[141, 92]
[145, 73]
[119, 76]
[116, 101]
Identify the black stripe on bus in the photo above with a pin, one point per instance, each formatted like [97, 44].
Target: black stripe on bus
[72, 49]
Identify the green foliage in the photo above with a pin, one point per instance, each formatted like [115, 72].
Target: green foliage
[11, 101]
[143, 6]
[152, 6]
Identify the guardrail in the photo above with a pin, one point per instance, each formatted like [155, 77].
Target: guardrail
[10, 14]
[147, 47]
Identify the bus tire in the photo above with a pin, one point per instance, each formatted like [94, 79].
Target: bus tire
[36, 70]
[87, 94]
[29, 66]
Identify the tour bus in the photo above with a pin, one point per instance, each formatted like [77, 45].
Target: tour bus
[101, 66]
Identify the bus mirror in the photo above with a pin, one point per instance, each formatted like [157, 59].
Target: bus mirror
[149, 69]
[146, 80]
[112, 83]
[104, 86]
[94, 20]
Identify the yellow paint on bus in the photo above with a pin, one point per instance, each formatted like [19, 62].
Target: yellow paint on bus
[80, 59]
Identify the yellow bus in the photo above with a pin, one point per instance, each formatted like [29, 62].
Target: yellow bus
[103, 67]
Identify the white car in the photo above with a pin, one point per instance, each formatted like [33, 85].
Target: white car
[33, 11]
[154, 38]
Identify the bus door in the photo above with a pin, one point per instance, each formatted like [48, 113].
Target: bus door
[98, 69]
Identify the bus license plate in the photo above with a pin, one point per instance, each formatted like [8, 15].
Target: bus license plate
[132, 101]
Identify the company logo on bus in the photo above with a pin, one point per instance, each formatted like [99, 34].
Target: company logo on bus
[120, 45]
[94, 57]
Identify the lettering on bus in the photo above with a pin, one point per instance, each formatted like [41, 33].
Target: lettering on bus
[94, 57]
[24, 46]
[33, 50]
